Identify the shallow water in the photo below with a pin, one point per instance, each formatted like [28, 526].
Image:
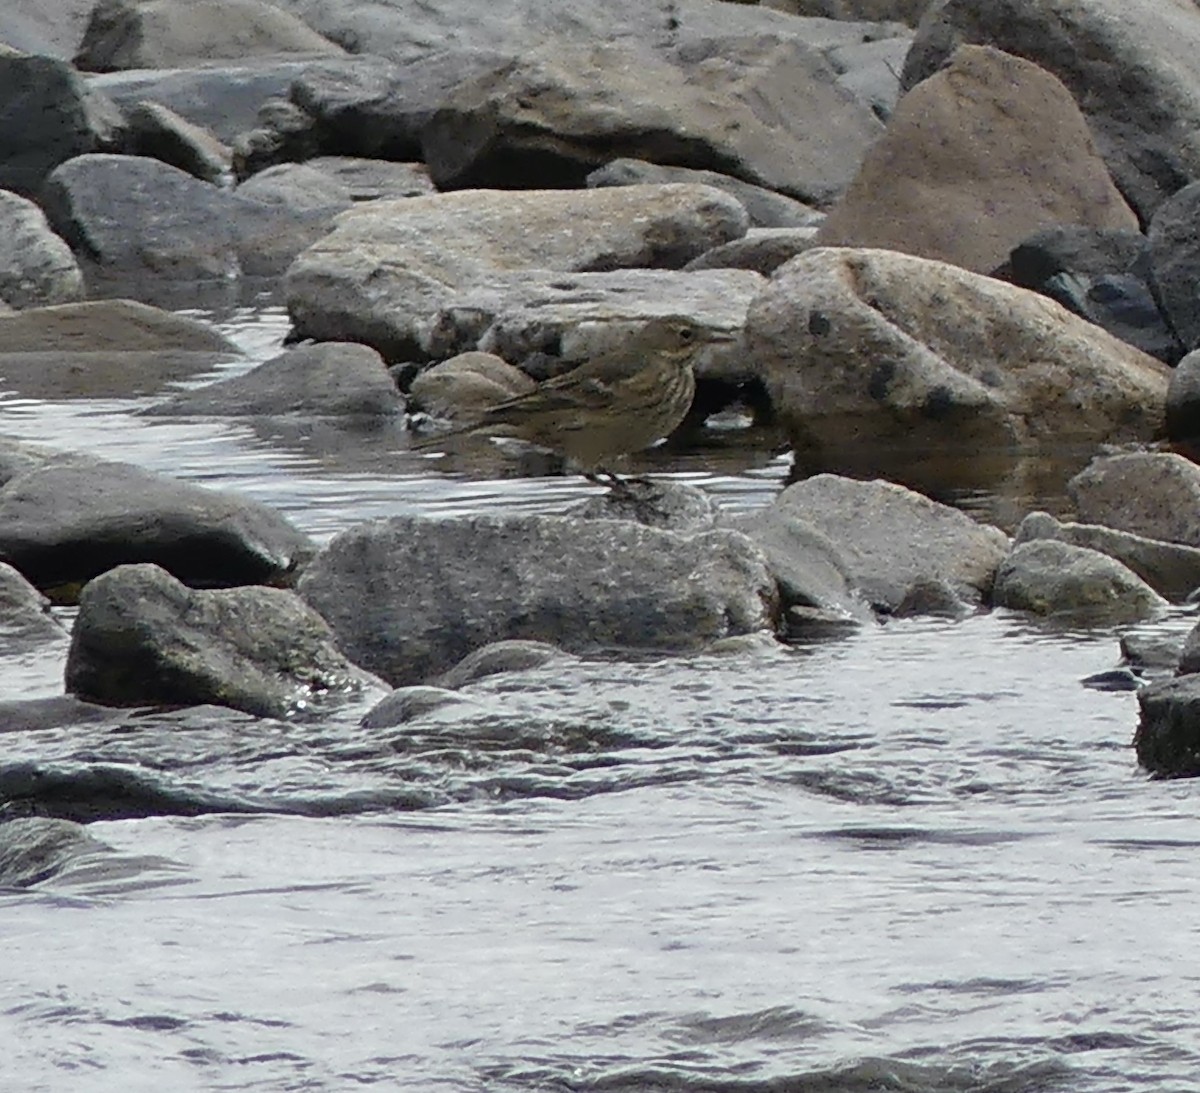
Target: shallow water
[920, 858]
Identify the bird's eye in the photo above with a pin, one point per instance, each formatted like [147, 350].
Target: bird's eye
[686, 334]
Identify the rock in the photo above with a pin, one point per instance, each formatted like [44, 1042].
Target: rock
[159, 132]
[499, 657]
[375, 179]
[866, 352]
[1155, 494]
[1049, 577]
[1182, 414]
[332, 379]
[57, 712]
[871, 71]
[762, 250]
[105, 349]
[1132, 65]
[143, 638]
[387, 266]
[63, 523]
[1175, 257]
[1171, 569]
[17, 457]
[298, 186]
[975, 159]
[126, 34]
[931, 596]
[766, 208]
[766, 111]
[888, 538]
[25, 621]
[406, 704]
[36, 266]
[1189, 657]
[72, 119]
[47, 28]
[906, 11]
[1167, 740]
[1101, 275]
[671, 506]
[410, 597]
[467, 384]
[1154, 651]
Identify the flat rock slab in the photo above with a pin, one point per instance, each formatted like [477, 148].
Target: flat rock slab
[142, 638]
[889, 538]
[410, 597]
[71, 519]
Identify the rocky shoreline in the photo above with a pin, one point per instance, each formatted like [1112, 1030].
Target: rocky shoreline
[998, 262]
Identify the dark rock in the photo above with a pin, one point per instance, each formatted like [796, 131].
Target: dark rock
[69, 520]
[1175, 256]
[1167, 740]
[1155, 494]
[36, 266]
[1049, 577]
[34, 849]
[499, 657]
[1189, 657]
[332, 379]
[71, 120]
[974, 160]
[1115, 679]
[762, 250]
[142, 638]
[58, 712]
[406, 704]
[1154, 651]
[1182, 414]
[931, 596]
[409, 597]
[766, 208]
[159, 132]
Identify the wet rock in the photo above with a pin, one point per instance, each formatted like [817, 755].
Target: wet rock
[1102, 276]
[500, 657]
[57, 712]
[671, 506]
[406, 704]
[1167, 740]
[1171, 569]
[105, 349]
[72, 119]
[931, 596]
[1049, 577]
[762, 250]
[1151, 651]
[974, 160]
[865, 351]
[888, 538]
[410, 597]
[143, 638]
[1175, 256]
[1155, 494]
[34, 849]
[71, 519]
[332, 379]
[36, 266]
[159, 132]
[766, 208]
[467, 384]
[1189, 656]
[388, 266]
[124, 34]
[1122, 60]
[25, 621]
[766, 111]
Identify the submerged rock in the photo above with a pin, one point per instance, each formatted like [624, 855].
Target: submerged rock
[1167, 739]
[143, 638]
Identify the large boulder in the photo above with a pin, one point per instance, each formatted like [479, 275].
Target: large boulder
[386, 268]
[142, 638]
[768, 112]
[36, 266]
[1175, 259]
[409, 597]
[1155, 494]
[159, 132]
[125, 34]
[47, 116]
[1132, 65]
[870, 351]
[63, 523]
[975, 159]
[47, 28]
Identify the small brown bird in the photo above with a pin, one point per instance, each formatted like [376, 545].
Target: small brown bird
[620, 401]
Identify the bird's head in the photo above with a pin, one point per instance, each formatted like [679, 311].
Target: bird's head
[677, 336]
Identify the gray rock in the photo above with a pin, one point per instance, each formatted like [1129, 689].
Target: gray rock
[388, 266]
[1155, 494]
[410, 597]
[375, 179]
[467, 384]
[765, 111]
[159, 132]
[72, 119]
[1153, 651]
[1049, 577]
[870, 353]
[1171, 569]
[888, 538]
[298, 186]
[406, 704]
[906, 11]
[47, 28]
[143, 638]
[71, 519]
[1189, 656]
[931, 596]
[670, 506]
[1132, 65]
[1167, 740]
[17, 457]
[1182, 415]
[124, 34]
[871, 71]
[332, 379]
[25, 622]
[36, 266]
[762, 250]
[1175, 256]
[500, 657]
[766, 208]
[105, 349]
[975, 159]
[34, 849]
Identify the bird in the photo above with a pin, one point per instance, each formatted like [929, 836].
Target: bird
[621, 400]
